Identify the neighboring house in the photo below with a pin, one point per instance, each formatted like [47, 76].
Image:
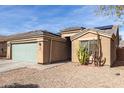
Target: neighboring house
[37, 46]
[109, 36]
[3, 46]
[45, 47]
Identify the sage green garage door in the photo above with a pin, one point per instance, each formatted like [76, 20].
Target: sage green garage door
[24, 52]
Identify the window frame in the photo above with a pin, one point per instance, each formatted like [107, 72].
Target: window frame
[88, 44]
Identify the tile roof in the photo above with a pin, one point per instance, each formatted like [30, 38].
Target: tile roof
[72, 29]
[105, 30]
[30, 34]
[110, 29]
[25, 35]
[2, 38]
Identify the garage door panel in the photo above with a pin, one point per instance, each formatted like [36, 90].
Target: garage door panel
[24, 52]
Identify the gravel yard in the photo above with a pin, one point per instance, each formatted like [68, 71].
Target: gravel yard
[67, 75]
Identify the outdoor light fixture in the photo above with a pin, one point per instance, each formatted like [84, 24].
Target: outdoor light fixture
[39, 44]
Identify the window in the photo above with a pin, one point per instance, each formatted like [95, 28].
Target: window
[91, 45]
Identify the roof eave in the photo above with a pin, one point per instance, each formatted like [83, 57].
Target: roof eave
[93, 31]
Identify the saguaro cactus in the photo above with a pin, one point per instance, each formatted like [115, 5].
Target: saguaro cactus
[98, 59]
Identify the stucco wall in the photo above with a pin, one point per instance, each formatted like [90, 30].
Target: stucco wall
[69, 33]
[54, 50]
[59, 51]
[40, 50]
[46, 51]
[8, 50]
[50, 48]
[105, 43]
[106, 49]
[3, 49]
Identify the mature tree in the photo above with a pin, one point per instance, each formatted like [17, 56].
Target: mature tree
[112, 10]
[116, 11]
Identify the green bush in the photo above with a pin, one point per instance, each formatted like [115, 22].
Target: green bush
[83, 55]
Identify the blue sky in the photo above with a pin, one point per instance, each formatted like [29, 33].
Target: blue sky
[17, 19]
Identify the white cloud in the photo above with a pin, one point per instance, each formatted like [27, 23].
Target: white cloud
[26, 19]
[5, 31]
[121, 34]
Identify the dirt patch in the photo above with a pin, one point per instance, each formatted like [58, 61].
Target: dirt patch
[64, 76]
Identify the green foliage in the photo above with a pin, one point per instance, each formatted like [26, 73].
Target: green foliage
[83, 55]
[112, 10]
[115, 10]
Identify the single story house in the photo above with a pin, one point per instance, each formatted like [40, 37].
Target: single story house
[37, 46]
[43, 47]
[109, 36]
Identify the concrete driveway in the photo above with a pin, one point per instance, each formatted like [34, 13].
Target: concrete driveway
[7, 65]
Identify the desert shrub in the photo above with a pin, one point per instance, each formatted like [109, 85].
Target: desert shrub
[83, 55]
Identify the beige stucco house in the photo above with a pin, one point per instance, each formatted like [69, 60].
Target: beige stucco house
[37, 46]
[109, 36]
[44, 47]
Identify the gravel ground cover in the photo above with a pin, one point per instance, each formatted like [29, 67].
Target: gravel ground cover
[68, 75]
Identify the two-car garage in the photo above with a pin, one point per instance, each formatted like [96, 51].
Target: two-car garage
[37, 47]
[24, 52]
